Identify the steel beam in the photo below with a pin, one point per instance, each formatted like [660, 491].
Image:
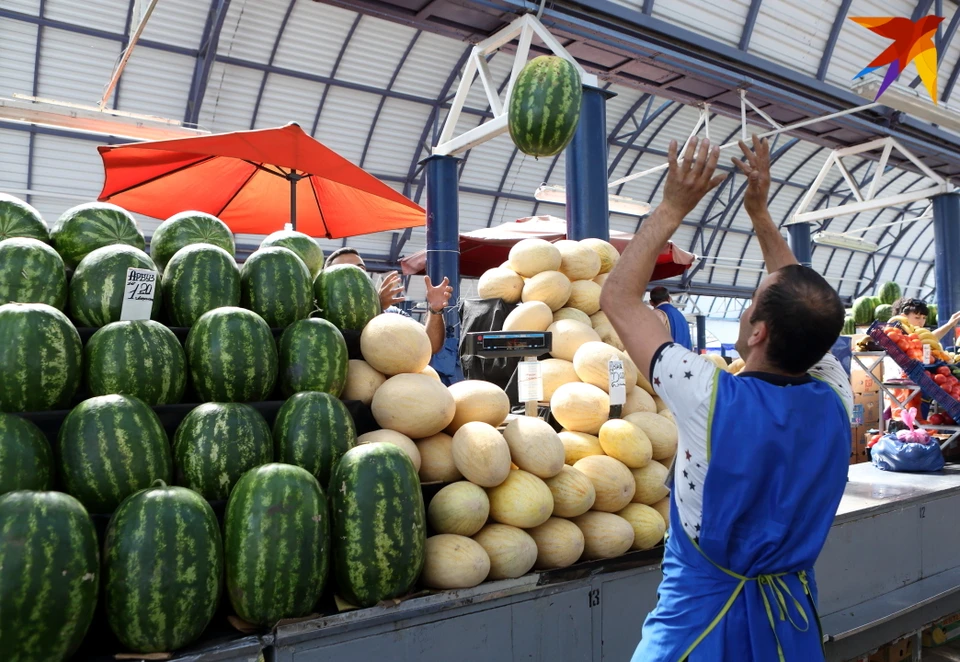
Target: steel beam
[748, 24]
[270, 60]
[205, 59]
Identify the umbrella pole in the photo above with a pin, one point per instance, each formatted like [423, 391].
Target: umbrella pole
[294, 178]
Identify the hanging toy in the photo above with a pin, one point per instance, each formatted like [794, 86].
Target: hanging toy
[912, 435]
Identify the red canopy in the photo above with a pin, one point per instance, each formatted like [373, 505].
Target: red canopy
[246, 179]
[489, 247]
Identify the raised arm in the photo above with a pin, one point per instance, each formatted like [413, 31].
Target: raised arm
[947, 328]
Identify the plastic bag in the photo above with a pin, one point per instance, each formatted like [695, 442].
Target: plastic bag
[891, 454]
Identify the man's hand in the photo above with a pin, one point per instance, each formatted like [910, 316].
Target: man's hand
[391, 291]
[689, 181]
[438, 296]
[757, 170]
[954, 319]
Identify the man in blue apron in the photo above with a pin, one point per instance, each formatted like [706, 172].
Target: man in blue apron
[672, 318]
[762, 458]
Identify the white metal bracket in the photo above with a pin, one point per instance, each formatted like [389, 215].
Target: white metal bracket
[522, 29]
[141, 15]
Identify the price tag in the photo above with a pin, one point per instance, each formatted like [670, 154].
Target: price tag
[618, 382]
[927, 359]
[529, 381]
[138, 293]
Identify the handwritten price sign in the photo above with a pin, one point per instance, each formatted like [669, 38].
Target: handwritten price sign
[618, 382]
[138, 294]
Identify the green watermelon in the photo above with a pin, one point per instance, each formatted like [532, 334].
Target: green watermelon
[31, 272]
[162, 569]
[19, 219]
[305, 246]
[313, 357]
[276, 544]
[932, 315]
[40, 358]
[863, 309]
[232, 356]
[849, 327]
[889, 292]
[545, 106]
[97, 285]
[313, 430]
[199, 278]
[276, 284]
[216, 444]
[85, 228]
[49, 575]
[185, 229]
[346, 296]
[883, 312]
[26, 461]
[141, 358]
[111, 446]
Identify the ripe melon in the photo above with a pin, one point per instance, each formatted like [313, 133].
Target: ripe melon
[611, 479]
[401, 441]
[638, 400]
[626, 442]
[584, 296]
[650, 482]
[430, 372]
[609, 335]
[605, 535]
[661, 405]
[607, 252]
[645, 384]
[362, 382]
[592, 363]
[577, 261]
[436, 459]
[481, 454]
[478, 400]
[568, 336]
[599, 318]
[736, 366]
[529, 316]
[556, 373]
[550, 287]
[530, 257]
[500, 283]
[534, 446]
[453, 561]
[716, 360]
[522, 500]
[394, 344]
[573, 492]
[461, 508]
[648, 525]
[511, 550]
[566, 313]
[415, 405]
[601, 279]
[578, 445]
[663, 507]
[662, 433]
[559, 543]
[667, 414]
[580, 407]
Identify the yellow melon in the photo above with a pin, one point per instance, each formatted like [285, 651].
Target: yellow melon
[638, 400]
[530, 257]
[585, 296]
[607, 252]
[534, 446]
[645, 384]
[559, 543]
[550, 287]
[362, 382]
[650, 481]
[481, 454]
[529, 316]
[477, 400]
[601, 279]
[661, 431]
[626, 442]
[572, 314]
[511, 550]
[573, 492]
[461, 508]
[599, 318]
[556, 373]
[394, 344]
[611, 479]
[735, 366]
[592, 363]
[522, 500]
[568, 336]
[661, 405]
[667, 414]
[609, 335]
[580, 407]
[430, 372]
[402, 441]
[415, 405]
[663, 507]
[436, 459]
[648, 525]
[578, 445]
[605, 535]
[577, 261]
[716, 360]
[453, 561]
[500, 283]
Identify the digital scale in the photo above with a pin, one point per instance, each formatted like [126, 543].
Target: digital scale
[527, 345]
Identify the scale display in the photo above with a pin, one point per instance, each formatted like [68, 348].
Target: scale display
[486, 344]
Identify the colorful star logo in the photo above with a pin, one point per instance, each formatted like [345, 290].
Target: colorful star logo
[913, 42]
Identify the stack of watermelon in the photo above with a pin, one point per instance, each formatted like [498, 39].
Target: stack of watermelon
[868, 309]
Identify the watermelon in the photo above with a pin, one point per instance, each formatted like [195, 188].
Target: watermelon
[216, 444]
[849, 327]
[883, 312]
[40, 358]
[863, 309]
[313, 357]
[49, 575]
[305, 246]
[97, 285]
[232, 356]
[932, 315]
[111, 446]
[545, 106]
[313, 430]
[379, 527]
[162, 568]
[185, 229]
[346, 296]
[19, 219]
[82, 229]
[141, 358]
[276, 284]
[31, 272]
[26, 461]
[889, 292]
[276, 544]
[199, 278]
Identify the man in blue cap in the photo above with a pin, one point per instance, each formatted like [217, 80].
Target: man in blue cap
[672, 318]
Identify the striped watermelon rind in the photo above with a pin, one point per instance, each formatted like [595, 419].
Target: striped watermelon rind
[31, 272]
[276, 285]
[197, 279]
[37, 378]
[544, 106]
[313, 430]
[185, 229]
[889, 292]
[26, 461]
[97, 285]
[111, 446]
[379, 526]
[218, 442]
[305, 246]
[162, 569]
[20, 219]
[232, 356]
[141, 358]
[285, 507]
[82, 229]
[346, 297]
[49, 575]
[313, 357]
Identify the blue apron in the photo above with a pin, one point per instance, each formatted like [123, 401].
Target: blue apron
[679, 329]
[742, 588]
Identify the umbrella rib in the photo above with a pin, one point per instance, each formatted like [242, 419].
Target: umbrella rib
[236, 193]
[266, 169]
[319, 208]
[166, 174]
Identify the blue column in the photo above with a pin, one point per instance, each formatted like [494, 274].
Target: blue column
[800, 243]
[946, 256]
[588, 209]
[443, 255]
[701, 333]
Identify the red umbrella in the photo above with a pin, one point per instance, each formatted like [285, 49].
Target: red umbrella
[255, 182]
[489, 247]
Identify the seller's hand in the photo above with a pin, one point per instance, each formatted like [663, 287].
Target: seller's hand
[954, 319]
[689, 181]
[438, 296]
[391, 291]
[757, 170]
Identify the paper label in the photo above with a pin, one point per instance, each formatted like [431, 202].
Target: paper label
[927, 359]
[138, 293]
[856, 418]
[529, 381]
[618, 382]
